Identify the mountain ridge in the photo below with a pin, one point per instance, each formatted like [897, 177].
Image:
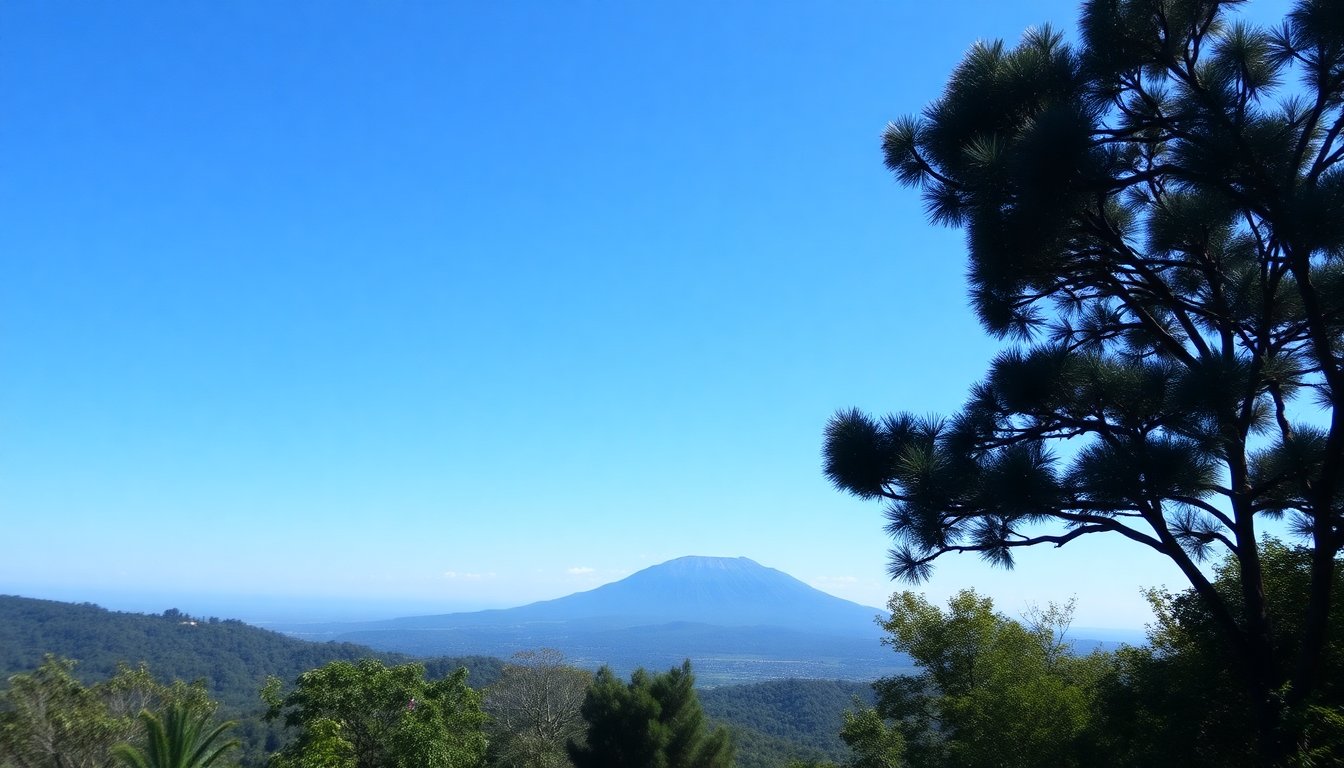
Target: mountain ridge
[733, 617]
[727, 591]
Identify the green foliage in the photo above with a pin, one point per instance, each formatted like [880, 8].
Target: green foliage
[232, 658]
[534, 710]
[655, 721]
[48, 719]
[182, 738]
[324, 748]
[1178, 702]
[368, 715]
[993, 691]
[1153, 225]
[875, 743]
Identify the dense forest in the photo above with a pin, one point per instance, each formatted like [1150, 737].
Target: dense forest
[783, 721]
[233, 657]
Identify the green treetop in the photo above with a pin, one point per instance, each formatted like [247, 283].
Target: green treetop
[655, 721]
[367, 715]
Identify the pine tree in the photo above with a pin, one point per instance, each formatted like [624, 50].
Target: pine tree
[655, 721]
[1154, 227]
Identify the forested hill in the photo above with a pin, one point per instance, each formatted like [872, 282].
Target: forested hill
[232, 657]
[783, 722]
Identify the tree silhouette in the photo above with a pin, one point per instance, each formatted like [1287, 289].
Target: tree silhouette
[1153, 225]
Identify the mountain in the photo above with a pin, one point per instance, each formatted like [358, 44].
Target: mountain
[725, 591]
[734, 618]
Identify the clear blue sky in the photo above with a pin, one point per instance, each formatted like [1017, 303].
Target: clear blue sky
[434, 306]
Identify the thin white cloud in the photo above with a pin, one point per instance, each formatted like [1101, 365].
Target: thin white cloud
[458, 576]
[580, 570]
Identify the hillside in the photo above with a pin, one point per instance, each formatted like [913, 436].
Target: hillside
[780, 721]
[234, 658]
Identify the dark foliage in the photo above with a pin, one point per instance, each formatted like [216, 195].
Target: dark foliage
[1153, 226]
[1178, 702]
[654, 720]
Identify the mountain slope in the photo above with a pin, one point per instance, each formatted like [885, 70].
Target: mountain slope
[734, 618]
[715, 590]
[722, 591]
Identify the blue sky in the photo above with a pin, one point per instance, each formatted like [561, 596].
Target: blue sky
[423, 306]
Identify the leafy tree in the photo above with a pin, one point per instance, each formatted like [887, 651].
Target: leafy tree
[534, 710]
[1174, 703]
[1152, 219]
[323, 748]
[875, 743]
[182, 738]
[655, 721]
[993, 692]
[367, 715]
[48, 719]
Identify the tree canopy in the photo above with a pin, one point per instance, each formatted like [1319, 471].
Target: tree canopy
[368, 715]
[993, 691]
[654, 721]
[1175, 702]
[1153, 227]
[49, 719]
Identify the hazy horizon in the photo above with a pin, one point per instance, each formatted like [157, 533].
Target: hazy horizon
[273, 611]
